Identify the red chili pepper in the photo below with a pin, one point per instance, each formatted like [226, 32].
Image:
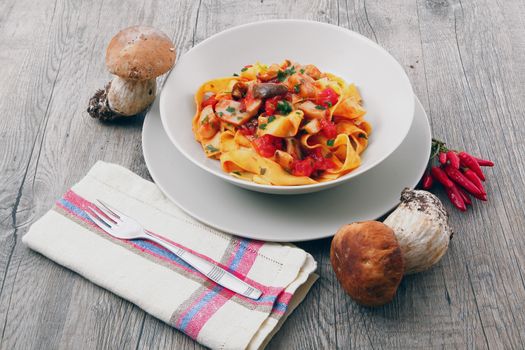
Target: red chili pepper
[484, 162]
[441, 177]
[453, 159]
[455, 197]
[469, 174]
[464, 182]
[427, 180]
[471, 163]
[464, 196]
[443, 157]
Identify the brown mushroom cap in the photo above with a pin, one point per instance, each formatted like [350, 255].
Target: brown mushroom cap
[140, 53]
[367, 261]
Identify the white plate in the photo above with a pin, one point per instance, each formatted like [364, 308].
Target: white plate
[284, 218]
[386, 89]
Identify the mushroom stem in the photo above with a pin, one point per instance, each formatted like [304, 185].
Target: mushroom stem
[420, 224]
[130, 97]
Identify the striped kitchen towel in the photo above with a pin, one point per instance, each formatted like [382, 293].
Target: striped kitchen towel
[160, 283]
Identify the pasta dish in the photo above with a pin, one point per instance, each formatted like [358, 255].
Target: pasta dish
[282, 124]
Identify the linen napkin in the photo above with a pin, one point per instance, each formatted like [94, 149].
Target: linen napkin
[160, 283]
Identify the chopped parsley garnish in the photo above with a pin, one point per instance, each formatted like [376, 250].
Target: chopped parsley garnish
[329, 104]
[230, 109]
[271, 119]
[302, 71]
[205, 120]
[297, 112]
[320, 107]
[282, 75]
[330, 142]
[244, 69]
[210, 148]
[297, 88]
[237, 173]
[284, 107]
[263, 126]
[235, 74]
[262, 171]
[220, 114]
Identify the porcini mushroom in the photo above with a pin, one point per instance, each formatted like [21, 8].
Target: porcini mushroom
[137, 56]
[420, 224]
[369, 258]
[367, 261]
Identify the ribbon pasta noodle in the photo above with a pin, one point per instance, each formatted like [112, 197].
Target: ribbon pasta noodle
[282, 124]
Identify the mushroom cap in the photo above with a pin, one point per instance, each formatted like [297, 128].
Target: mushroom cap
[140, 53]
[367, 261]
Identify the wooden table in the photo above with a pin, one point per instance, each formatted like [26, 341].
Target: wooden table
[466, 62]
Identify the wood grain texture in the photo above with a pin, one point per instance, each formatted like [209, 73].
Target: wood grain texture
[465, 61]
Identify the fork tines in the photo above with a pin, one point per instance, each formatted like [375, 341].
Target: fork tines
[103, 216]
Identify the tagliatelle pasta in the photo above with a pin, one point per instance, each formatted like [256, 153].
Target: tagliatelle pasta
[284, 124]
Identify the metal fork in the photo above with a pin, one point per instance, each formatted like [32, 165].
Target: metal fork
[121, 226]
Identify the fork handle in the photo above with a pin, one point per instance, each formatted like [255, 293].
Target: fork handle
[210, 270]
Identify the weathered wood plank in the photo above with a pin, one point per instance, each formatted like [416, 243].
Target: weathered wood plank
[29, 67]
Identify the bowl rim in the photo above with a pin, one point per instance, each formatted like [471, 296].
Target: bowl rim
[279, 188]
